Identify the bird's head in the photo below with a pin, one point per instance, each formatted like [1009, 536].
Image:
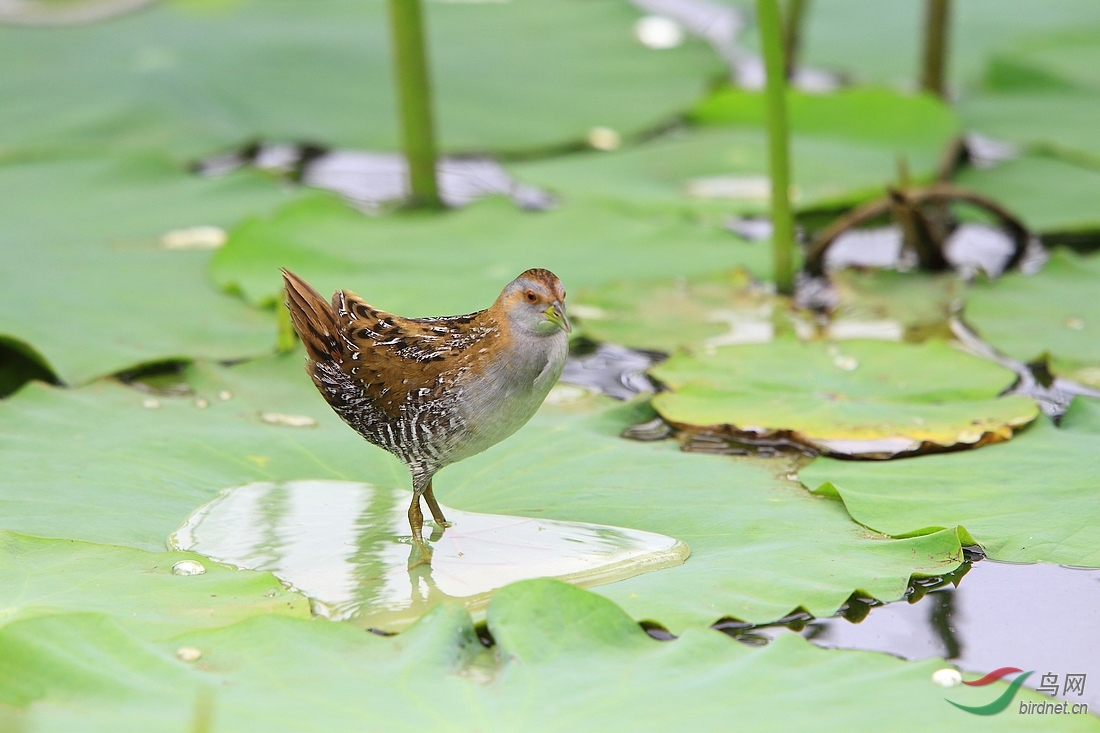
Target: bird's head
[535, 303]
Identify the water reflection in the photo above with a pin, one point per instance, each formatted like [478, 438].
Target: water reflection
[1036, 617]
[347, 546]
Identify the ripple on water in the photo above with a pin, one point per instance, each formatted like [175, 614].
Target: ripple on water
[347, 546]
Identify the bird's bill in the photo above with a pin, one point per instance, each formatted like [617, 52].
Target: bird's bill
[556, 315]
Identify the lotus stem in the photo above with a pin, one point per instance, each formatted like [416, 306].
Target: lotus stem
[937, 13]
[415, 100]
[286, 339]
[775, 97]
[792, 34]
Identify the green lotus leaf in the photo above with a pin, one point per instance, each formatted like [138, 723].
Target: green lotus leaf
[867, 398]
[87, 286]
[910, 306]
[760, 546]
[419, 264]
[667, 315]
[1044, 94]
[917, 124]
[50, 12]
[565, 659]
[1054, 313]
[96, 464]
[192, 77]
[93, 464]
[1047, 194]
[732, 308]
[1060, 61]
[41, 577]
[881, 42]
[1045, 122]
[1032, 499]
[725, 170]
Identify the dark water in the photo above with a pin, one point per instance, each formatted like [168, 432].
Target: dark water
[609, 369]
[1036, 617]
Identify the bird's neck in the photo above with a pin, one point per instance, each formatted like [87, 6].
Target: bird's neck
[533, 359]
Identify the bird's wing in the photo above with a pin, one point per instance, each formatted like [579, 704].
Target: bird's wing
[391, 356]
[383, 357]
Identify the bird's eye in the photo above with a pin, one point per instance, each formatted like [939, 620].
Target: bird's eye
[531, 297]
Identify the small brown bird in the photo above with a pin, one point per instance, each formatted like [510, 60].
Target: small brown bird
[433, 391]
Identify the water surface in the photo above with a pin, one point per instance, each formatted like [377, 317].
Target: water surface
[348, 547]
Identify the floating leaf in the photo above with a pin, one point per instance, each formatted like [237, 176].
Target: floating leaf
[1049, 195]
[910, 124]
[1032, 499]
[723, 170]
[420, 264]
[760, 546]
[1052, 62]
[880, 42]
[1044, 122]
[93, 464]
[892, 306]
[732, 309]
[41, 577]
[1054, 312]
[192, 78]
[347, 545]
[1044, 94]
[93, 291]
[677, 314]
[862, 398]
[565, 659]
[44, 12]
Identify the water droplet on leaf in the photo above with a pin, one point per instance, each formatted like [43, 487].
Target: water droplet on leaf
[290, 421]
[658, 32]
[847, 363]
[202, 237]
[947, 677]
[604, 138]
[188, 567]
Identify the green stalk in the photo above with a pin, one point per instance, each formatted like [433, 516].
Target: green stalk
[414, 95]
[792, 34]
[775, 98]
[286, 339]
[935, 46]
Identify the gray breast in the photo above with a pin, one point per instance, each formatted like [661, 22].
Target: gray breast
[499, 402]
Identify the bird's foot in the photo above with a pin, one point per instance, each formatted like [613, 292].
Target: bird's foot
[422, 554]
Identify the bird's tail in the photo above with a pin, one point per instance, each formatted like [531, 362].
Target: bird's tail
[313, 318]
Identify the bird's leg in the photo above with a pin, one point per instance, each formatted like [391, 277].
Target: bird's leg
[416, 519]
[416, 523]
[433, 505]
